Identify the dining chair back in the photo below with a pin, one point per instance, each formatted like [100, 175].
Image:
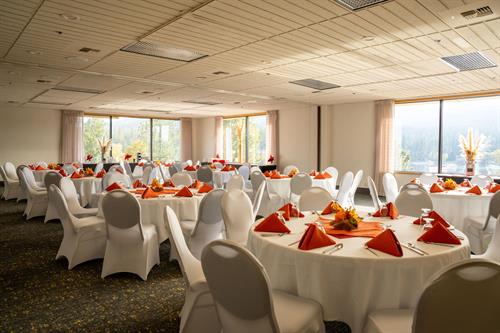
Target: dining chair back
[289, 168]
[23, 189]
[11, 185]
[172, 170]
[332, 171]
[205, 174]
[237, 213]
[10, 171]
[299, 183]
[314, 199]
[182, 179]
[256, 178]
[236, 182]
[390, 184]
[49, 179]
[257, 199]
[428, 178]
[146, 174]
[412, 199]
[244, 171]
[481, 180]
[344, 188]
[374, 193]
[115, 177]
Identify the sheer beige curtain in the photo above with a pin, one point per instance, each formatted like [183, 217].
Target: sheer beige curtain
[272, 135]
[186, 138]
[384, 115]
[219, 136]
[72, 136]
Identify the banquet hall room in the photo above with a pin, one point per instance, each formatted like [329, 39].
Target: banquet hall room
[250, 166]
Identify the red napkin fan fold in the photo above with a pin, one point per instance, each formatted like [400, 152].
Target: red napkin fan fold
[386, 242]
[314, 238]
[437, 219]
[190, 168]
[390, 210]
[475, 190]
[40, 168]
[149, 193]
[62, 173]
[494, 188]
[168, 183]
[328, 209]
[184, 192]
[289, 210]
[138, 184]
[114, 186]
[196, 184]
[205, 188]
[76, 175]
[439, 234]
[466, 183]
[436, 188]
[272, 223]
[101, 174]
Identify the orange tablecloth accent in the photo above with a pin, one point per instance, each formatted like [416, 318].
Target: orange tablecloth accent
[365, 229]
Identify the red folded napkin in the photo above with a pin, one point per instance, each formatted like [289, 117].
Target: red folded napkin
[228, 168]
[436, 188]
[138, 184]
[466, 183]
[101, 173]
[328, 209]
[276, 176]
[437, 219]
[196, 184]
[313, 238]
[127, 157]
[119, 170]
[267, 174]
[321, 175]
[76, 175]
[38, 168]
[386, 242]
[272, 223]
[494, 188]
[58, 167]
[114, 186]
[184, 192]
[439, 234]
[205, 188]
[168, 183]
[313, 173]
[190, 168]
[149, 193]
[31, 166]
[390, 210]
[289, 210]
[62, 173]
[475, 190]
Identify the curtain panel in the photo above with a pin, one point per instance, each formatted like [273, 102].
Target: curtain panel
[186, 139]
[72, 136]
[272, 135]
[384, 115]
[219, 137]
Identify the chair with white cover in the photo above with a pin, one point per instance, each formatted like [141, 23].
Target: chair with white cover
[130, 246]
[299, 183]
[182, 179]
[23, 190]
[411, 199]
[189, 162]
[244, 171]
[270, 201]
[463, 297]
[37, 197]
[209, 226]
[178, 166]
[289, 168]
[481, 180]
[314, 199]
[115, 167]
[128, 169]
[344, 188]
[257, 199]
[146, 174]
[480, 229]
[428, 178]
[237, 213]
[68, 168]
[11, 186]
[198, 312]
[218, 165]
[236, 182]
[332, 171]
[374, 193]
[493, 250]
[83, 239]
[172, 170]
[115, 177]
[244, 300]
[205, 174]
[391, 189]
[30, 177]
[99, 166]
[354, 187]
[255, 168]
[164, 172]
[68, 189]
[49, 179]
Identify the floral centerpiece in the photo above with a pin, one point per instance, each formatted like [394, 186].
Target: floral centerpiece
[345, 219]
[450, 184]
[293, 172]
[89, 172]
[104, 147]
[471, 149]
[156, 186]
[52, 166]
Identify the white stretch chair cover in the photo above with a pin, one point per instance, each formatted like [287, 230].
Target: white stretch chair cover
[37, 197]
[289, 169]
[257, 199]
[130, 246]
[481, 180]
[480, 229]
[428, 178]
[23, 188]
[344, 188]
[391, 189]
[49, 179]
[205, 174]
[70, 194]
[334, 173]
[178, 166]
[493, 250]
[115, 177]
[99, 166]
[84, 239]
[30, 177]
[198, 313]
[314, 199]
[299, 183]
[374, 193]
[355, 183]
[69, 168]
[236, 182]
[10, 171]
[164, 173]
[255, 168]
[146, 174]
[218, 165]
[412, 199]
[182, 179]
[128, 169]
[243, 297]
[238, 215]
[11, 186]
[244, 171]
[172, 170]
[270, 201]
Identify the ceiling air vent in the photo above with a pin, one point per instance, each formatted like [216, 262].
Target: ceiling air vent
[162, 51]
[468, 61]
[355, 5]
[315, 84]
[202, 102]
[478, 12]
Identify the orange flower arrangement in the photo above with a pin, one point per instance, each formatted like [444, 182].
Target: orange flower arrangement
[89, 172]
[293, 172]
[346, 219]
[156, 186]
[450, 184]
[52, 166]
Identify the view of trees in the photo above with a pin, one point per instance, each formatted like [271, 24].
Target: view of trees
[245, 139]
[94, 128]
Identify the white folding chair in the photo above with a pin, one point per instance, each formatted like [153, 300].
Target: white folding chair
[182, 179]
[37, 197]
[314, 199]
[205, 174]
[463, 298]
[236, 182]
[237, 214]
[130, 246]
[332, 171]
[198, 313]
[244, 300]
[70, 194]
[480, 229]
[374, 193]
[481, 180]
[354, 187]
[411, 199]
[84, 239]
[428, 178]
[299, 183]
[390, 184]
[23, 189]
[289, 168]
[49, 179]
[11, 186]
[344, 188]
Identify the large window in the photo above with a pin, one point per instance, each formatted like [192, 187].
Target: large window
[245, 139]
[132, 136]
[426, 134]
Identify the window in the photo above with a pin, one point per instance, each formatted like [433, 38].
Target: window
[426, 135]
[95, 129]
[245, 139]
[166, 140]
[131, 136]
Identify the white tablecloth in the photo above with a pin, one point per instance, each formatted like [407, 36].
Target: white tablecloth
[282, 186]
[40, 174]
[222, 177]
[455, 205]
[153, 210]
[352, 282]
[87, 186]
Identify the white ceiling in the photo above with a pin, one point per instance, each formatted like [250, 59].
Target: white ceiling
[262, 44]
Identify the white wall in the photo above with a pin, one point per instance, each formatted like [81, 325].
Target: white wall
[203, 138]
[29, 134]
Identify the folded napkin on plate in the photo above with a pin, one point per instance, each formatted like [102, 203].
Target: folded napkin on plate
[114, 186]
[386, 242]
[277, 175]
[149, 193]
[494, 188]
[205, 188]
[100, 174]
[184, 192]
[289, 210]
[228, 168]
[390, 210]
[138, 184]
[196, 184]
[313, 173]
[267, 174]
[76, 175]
[323, 175]
[466, 183]
[437, 219]
[364, 229]
[32, 166]
[436, 188]
[168, 183]
[190, 168]
[313, 238]
[40, 168]
[272, 223]
[475, 190]
[330, 208]
[439, 234]
[62, 173]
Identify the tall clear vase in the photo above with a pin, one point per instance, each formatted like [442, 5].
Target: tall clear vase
[470, 167]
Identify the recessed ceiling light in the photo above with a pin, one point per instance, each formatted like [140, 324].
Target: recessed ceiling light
[76, 58]
[315, 84]
[162, 51]
[34, 52]
[69, 17]
[468, 61]
[355, 5]
[368, 38]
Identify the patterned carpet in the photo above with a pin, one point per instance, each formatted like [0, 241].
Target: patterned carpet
[39, 294]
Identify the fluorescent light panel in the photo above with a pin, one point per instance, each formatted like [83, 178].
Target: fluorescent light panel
[359, 4]
[468, 61]
[315, 84]
[162, 51]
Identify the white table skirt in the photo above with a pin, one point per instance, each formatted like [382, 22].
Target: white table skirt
[153, 210]
[352, 282]
[282, 186]
[87, 186]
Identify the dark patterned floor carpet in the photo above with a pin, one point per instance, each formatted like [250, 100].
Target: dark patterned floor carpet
[39, 294]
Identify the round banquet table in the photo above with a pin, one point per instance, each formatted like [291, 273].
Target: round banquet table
[282, 186]
[85, 187]
[153, 210]
[454, 206]
[352, 282]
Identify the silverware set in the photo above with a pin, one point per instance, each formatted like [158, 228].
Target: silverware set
[334, 248]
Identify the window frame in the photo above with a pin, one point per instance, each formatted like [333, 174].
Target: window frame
[245, 117]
